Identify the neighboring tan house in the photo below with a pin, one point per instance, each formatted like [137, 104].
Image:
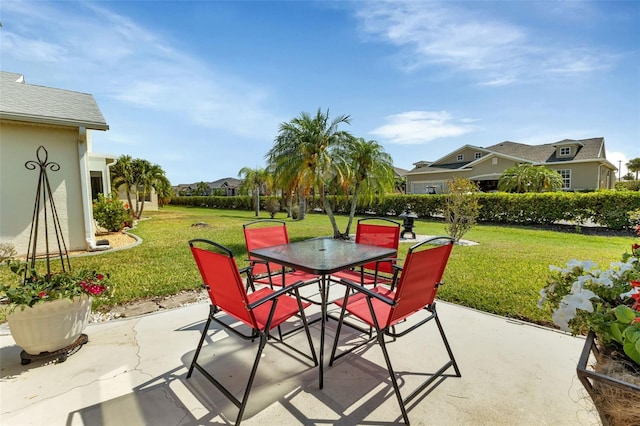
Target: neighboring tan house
[62, 121]
[581, 163]
[150, 201]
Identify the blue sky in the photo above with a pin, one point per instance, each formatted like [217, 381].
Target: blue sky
[200, 87]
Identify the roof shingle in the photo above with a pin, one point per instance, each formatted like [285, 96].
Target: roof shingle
[20, 101]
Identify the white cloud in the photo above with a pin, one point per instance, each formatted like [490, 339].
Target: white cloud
[419, 127]
[118, 60]
[619, 160]
[494, 52]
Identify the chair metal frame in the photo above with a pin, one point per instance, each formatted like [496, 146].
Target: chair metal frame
[266, 272]
[369, 274]
[393, 304]
[252, 318]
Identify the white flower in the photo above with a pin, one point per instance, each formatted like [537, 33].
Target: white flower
[572, 265]
[621, 267]
[597, 272]
[578, 285]
[569, 305]
[543, 298]
[580, 300]
[563, 315]
[634, 290]
[588, 265]
[603, 280]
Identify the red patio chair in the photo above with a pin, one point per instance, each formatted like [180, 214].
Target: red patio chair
[375, 231]
[261, 311]
[266, 233]
[383, 309]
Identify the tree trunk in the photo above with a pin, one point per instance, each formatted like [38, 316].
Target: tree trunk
[332, 219]
[128, 190]
[256, 200]
[144, 195]
[352, 211]
[303, 206]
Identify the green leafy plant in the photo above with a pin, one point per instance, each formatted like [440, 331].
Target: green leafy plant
[30, 288]
[529, 178]
[272, 205]
[634, 219]
[461, 207]
[111, 213]
[586, 298]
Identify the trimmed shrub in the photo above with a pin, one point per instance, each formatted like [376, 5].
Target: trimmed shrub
[272, 205]
[630, 185]
[605, 208]
[110, 213]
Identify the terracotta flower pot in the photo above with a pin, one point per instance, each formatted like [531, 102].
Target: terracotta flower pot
[49, 326]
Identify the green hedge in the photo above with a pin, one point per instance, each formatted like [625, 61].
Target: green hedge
[215, 202]
[630, 185]
[604, 208]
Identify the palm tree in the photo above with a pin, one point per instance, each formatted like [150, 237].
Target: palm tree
[122, 175]
[634, 166]
[303, 156]
[139, 176]
[151, 177]
[371, 173]
[546, 180]
[254, 181]
[202, 188]
[139, 168]
[400, 184]
[529, 178]
[164, 192]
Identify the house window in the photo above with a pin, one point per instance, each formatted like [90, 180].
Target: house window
[566, 178]
[565, 151]
[96, 184]
[460, 157]
[478, 155]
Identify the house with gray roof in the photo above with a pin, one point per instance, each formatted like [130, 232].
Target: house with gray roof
[582, 163]
[223, 187]
[61, 121]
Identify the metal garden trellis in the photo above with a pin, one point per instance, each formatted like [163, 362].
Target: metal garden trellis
[44, 201]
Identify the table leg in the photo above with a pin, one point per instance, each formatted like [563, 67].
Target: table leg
[323, 314]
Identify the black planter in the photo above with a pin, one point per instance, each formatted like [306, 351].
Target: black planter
[595, 382]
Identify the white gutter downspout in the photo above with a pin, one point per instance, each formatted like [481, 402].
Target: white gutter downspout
[85, 187]
[107, 178]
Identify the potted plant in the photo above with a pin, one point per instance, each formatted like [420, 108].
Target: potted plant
[604, 305]
[48, 312]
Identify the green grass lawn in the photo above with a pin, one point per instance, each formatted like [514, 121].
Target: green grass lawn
[502, 274]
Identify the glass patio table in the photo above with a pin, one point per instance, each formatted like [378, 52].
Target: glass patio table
[323, 257]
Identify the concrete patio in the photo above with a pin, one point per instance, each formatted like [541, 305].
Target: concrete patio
[133, 372]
